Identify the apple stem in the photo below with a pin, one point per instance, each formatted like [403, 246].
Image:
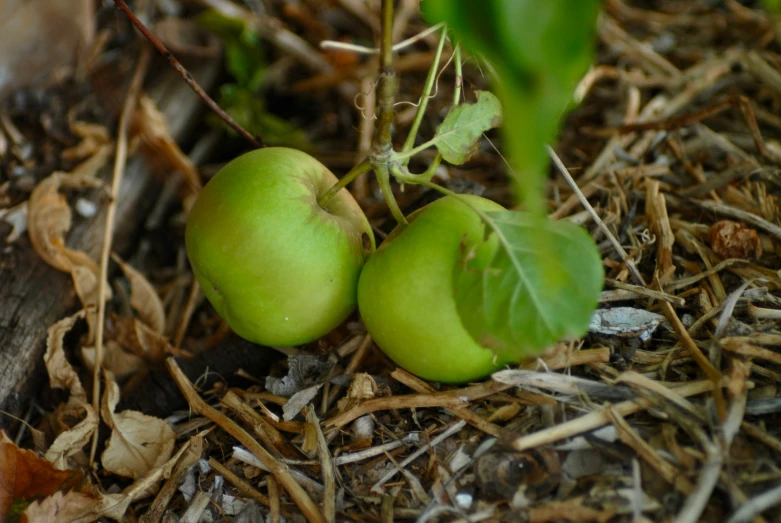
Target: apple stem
[356, 171]
[383, 177]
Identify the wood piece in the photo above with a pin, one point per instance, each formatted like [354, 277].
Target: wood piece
[34, 295]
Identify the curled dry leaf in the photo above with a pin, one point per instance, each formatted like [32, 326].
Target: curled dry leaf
[139, 443]
[362, 387]
[24, 477]
[116, 360]
[61, 374]
[137, 337]
[734, 240]
[150, 125]
[49, 218]
[69, 439]
[144, 298]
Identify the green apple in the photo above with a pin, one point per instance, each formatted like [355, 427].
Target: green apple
[278, 268]
[406, 296]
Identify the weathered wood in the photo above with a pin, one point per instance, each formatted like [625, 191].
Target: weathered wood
[33, 295]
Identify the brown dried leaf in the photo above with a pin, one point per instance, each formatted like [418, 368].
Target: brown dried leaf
[150, 125]
[144, 298]
[135, 336]
[139, 443]
[731, 239]
[61, 508]
[24, 476]
[362, 387]
[61, 374]
[71, 440]
[49, 218]
[115, 359]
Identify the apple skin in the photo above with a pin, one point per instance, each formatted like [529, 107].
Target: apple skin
[278, 268]
[406, 296]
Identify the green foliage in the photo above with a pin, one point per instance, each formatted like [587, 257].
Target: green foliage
[245, 62]
[518, 300]
[457, 136]
[539, 50]
[774, 6]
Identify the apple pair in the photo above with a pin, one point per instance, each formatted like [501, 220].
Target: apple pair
[281, 270]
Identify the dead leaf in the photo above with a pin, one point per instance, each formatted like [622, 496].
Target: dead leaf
[116, 360]
[61, 374]
[734, 240]
[25, 477]
[49, 218]
[362, 387]
[144, 298]
[150, 125]
[37, 36]
[17, 217]
[71, 440]
[298, 401]
[138, 444]
[60, 508]
[304, 370]
[135, 336]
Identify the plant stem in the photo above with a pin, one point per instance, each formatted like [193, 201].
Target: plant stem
[382, 147]
[356, 171]
[386, 85]
[188, 78]
[459, 75]
[426, 94]
[383, 177]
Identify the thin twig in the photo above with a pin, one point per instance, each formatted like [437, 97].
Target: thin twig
[185, 74]
[616, 245]
[116, 182]
[453, 429]
[308, 507]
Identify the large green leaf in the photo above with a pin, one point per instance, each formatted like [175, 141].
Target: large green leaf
[457, 136]
[539, 50]
[518, 297]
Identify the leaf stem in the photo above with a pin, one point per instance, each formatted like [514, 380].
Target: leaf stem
[426, 94]
[343, 182]
[459, 75]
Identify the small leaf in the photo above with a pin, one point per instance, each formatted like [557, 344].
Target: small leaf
[138, 444]
[25, 477]
[538, 51]
[463, 126]
[518, 297]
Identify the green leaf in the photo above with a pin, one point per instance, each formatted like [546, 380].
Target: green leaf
[517, 297]
[458, 134]
[244, 57]
[539, 50]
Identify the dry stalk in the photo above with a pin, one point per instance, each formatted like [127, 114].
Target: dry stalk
[279, 470]
[327, 467]
[120, 158]
[599, 418]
